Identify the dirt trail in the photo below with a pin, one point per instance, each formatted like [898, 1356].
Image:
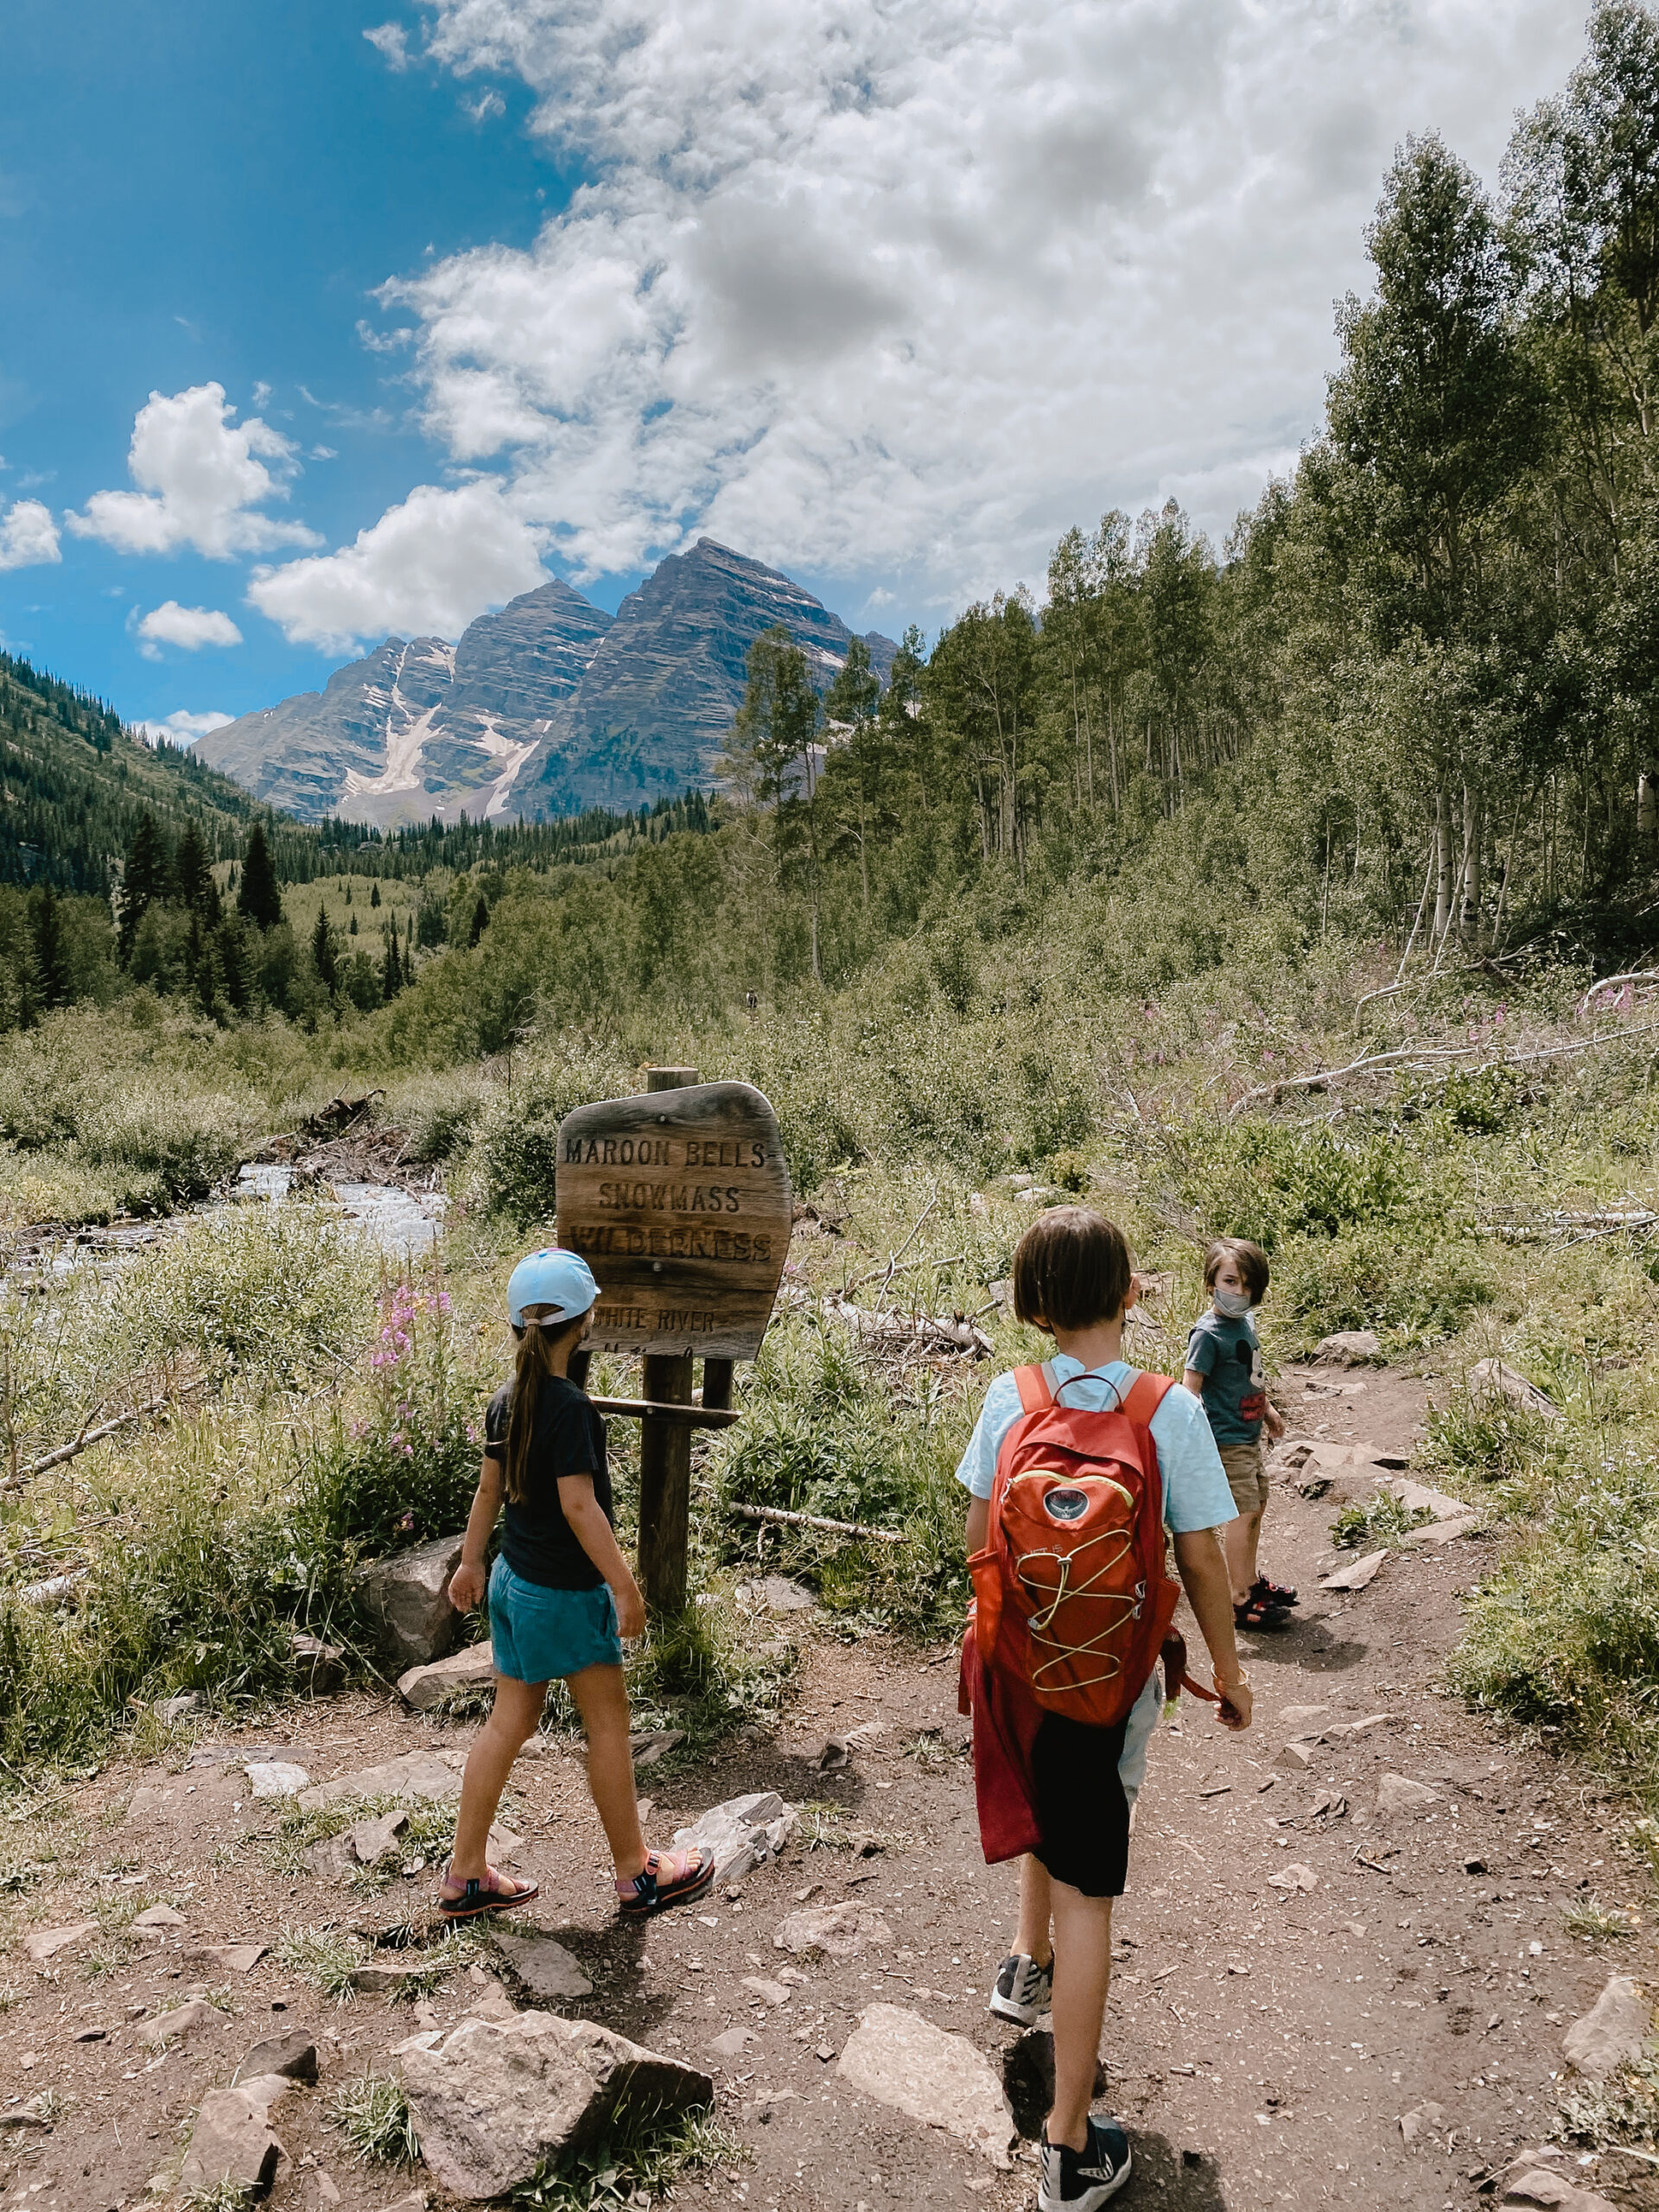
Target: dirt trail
[1262, 2045]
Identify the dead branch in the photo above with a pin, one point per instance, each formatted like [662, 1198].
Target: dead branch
[87, 1436]
[943, 1332]
[816, 1520]
[1612, 983]
[1416, 1059]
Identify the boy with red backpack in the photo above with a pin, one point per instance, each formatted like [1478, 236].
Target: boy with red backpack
[1076, 1470]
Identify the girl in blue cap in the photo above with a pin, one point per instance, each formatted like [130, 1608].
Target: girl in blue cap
[562, 1597]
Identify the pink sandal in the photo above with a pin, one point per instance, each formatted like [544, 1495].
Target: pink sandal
[494, 1893]
[670, 1877]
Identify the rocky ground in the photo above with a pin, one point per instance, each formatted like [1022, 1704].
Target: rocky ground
[1344, 1973]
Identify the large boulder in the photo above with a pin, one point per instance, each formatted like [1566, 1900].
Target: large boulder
[900, 2059]
[406, 1598]
[493, 2100]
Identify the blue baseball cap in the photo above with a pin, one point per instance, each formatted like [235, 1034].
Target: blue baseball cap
[561, 1280]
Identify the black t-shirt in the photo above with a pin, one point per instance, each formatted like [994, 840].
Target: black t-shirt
[567, 1437]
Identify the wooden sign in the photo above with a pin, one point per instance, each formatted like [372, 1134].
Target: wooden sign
[679, 1202]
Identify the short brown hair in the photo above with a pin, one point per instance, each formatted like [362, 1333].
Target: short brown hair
[1071, 1268]
[1249, 1259]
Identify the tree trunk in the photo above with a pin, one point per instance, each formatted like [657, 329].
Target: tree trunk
[1442, 867]
[1647, 808]
[1474, 838]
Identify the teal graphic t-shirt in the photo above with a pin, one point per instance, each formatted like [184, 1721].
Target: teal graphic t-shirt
[1228, 1357]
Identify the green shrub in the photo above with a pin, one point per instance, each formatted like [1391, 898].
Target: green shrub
[516, 1153]
[180, 1143]
[285, 1291]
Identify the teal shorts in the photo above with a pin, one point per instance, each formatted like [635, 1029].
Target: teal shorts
[538, 1635]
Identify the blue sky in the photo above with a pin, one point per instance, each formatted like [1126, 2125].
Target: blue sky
[886, 293]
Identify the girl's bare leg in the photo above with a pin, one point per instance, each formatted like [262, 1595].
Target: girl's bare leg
[601, 1699]
[512, 1722]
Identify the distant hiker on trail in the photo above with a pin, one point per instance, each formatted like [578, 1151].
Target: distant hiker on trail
[562, 1597]
[1076, 1470]
[1224, 1368]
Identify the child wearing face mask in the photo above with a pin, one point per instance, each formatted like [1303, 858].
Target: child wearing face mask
[1224, 1368]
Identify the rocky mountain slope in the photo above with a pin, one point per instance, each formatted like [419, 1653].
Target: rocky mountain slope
[545, 707]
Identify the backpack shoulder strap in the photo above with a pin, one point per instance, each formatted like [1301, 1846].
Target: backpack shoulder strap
[1036, 1389]
[1145, 1393]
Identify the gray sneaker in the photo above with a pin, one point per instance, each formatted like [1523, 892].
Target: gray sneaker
[1079, 2180]
[1024, 1990]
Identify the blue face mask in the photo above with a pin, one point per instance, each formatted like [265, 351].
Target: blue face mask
[1231, 1304]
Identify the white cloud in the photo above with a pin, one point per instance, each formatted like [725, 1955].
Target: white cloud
[190, 628]
[426, 568]
[900, 288]
[28, 535]
[183, 727]
[201, 477]
[391, 42]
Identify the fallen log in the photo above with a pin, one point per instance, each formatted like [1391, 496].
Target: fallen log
[816, 1520]
[1415, 1060]
[86, 1437]
[942, 1333]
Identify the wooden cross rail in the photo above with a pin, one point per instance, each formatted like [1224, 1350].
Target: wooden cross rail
[658, 1409]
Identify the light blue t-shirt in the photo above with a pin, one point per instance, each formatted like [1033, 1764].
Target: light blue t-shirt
[1196, 1492]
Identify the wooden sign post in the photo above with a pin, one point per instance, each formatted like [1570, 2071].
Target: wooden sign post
[679, 1200]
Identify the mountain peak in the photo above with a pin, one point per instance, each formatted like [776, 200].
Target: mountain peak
[541, 709]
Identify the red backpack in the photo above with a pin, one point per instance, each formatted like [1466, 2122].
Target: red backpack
[1071, 1594]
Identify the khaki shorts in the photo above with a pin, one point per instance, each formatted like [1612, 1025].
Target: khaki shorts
[1241, 1464]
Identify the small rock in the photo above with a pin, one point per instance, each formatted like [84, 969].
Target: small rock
[172, 1710]
[371, 1840]
[90, 2035]
[1349, 1348]
[277, 1779]
[45, 1942]
[732, 2044]
[1493, 1379]
[1298, 1716]
[1615, 2030]
[648, 1748]
[425, 1687]
[1474, 1865]
[1297, 1758]
[902, 2060]
[293, 2055]
[839, 1930]
[230, 2141]
[1365, 1727]
[145, 1803]
[320, 1666]
[157, 1919]
[27, 2122]
[381, 1978]
[429, 1774]
[321, 2191]
[1544, 2187]
[1420, 2120]
[770, 1992]
[742, 1833]
[330, 1857]
[1442, 1532]
[778, 1594]
[493, 2101]
[407, 1600]
[545, 1968]
[186, 2019]
[1357, 1577]
[833, 1755]
[1293, 1877]
[1395, 1793]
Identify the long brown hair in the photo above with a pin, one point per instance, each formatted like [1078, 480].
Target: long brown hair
[532, 1368]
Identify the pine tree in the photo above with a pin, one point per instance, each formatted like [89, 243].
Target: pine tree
[258, 896]
[391, 975]
[193, 873]
[322, 948]
[374, 895]
[146, 877]
[480, 920]
[53, 985]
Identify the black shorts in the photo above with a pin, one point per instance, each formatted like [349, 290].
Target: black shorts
[1082, 1814]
